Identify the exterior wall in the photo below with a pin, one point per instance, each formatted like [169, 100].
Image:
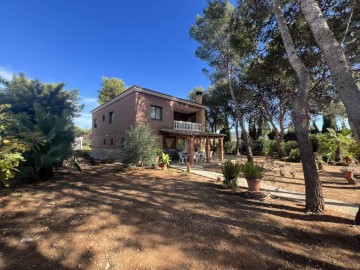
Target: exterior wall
[134, 108]
[143, 111]
[123, 116]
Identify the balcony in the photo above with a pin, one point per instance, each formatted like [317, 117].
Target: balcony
[181, 125]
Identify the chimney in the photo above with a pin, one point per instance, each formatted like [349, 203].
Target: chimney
[198, 98]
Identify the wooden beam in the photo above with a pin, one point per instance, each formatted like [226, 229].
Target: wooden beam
[207, 149]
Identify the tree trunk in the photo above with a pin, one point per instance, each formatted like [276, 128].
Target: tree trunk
[237, 152]
[336, 60]
[245, 136]
[357, 218]
[280, 153]
[300, 113]
[240, 118]
[338, 154]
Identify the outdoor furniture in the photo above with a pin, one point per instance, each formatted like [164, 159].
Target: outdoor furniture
[182, 157]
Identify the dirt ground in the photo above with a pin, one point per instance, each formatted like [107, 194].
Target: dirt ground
[334, 184]
[103, 218]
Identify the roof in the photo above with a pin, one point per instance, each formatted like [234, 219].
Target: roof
[140, 89]
[193, 133]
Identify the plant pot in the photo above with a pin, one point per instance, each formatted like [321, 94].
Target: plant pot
[349, 175]
[253, 184]
[164, 167]
[349, 161]
[350, 178]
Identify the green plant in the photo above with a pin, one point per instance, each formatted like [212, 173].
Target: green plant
[140, 145]
[257, 146]
[230, 171]
[346, 169]
[294, 155]
[270, 147]
[164, 159]
[252, 171]
[158, 151]
[229, 147]
[50, 138]
[288, 146]
[11, 147]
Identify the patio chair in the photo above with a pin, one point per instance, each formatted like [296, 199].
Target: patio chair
[182, 157]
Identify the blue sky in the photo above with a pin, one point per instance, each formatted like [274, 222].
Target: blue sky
[145, 43]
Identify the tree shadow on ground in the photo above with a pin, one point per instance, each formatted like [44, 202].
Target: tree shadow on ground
[129, 216]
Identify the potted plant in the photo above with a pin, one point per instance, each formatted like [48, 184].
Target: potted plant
[349, 159]
[231, 171]
[164, 161]
[252, 173]
[349, 174]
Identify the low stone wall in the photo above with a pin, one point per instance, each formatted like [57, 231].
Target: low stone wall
[104, 153]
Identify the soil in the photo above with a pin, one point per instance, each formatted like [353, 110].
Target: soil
[107, 218]
[334, 184]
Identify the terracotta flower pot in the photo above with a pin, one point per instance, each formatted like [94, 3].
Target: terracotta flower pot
[164, 167]
[349, 174]
[253, 184]
[350, 177]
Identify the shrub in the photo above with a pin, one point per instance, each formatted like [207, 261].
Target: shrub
[230, 171]
[288, 146]
[252, 171]
[140, 145]
[257, 147]
[229, 147]
[294, 155]
[270, 147]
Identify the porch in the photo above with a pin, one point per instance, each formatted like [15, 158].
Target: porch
[202, 139]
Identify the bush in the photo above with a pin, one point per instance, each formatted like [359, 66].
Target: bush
[270, 147]
[294, 155]
[230, 171]
[229, 147]
[257, 147]
[288, 146]
[252, 171]
[140, 146]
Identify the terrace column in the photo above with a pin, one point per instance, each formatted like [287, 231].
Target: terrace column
[221, 149]
[207, 149]
[191, 150]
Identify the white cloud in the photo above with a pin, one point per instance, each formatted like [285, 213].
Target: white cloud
[83, 121]
[5, 73]
[89, 100]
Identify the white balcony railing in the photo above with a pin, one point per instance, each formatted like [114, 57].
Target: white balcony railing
[181, 125]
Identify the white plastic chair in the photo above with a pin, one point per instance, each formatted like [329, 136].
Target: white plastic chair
[182, 157]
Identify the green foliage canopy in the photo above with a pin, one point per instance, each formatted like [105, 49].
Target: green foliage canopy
[110, 88]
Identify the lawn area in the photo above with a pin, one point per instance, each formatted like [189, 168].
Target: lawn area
[105, 218]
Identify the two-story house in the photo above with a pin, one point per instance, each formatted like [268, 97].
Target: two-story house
[180, 124]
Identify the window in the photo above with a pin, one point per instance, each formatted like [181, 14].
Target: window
[111, 142]
[111, 117]
[122, 143]
[104, 141]
[156, 112]
[95, 124]
[103, 118]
